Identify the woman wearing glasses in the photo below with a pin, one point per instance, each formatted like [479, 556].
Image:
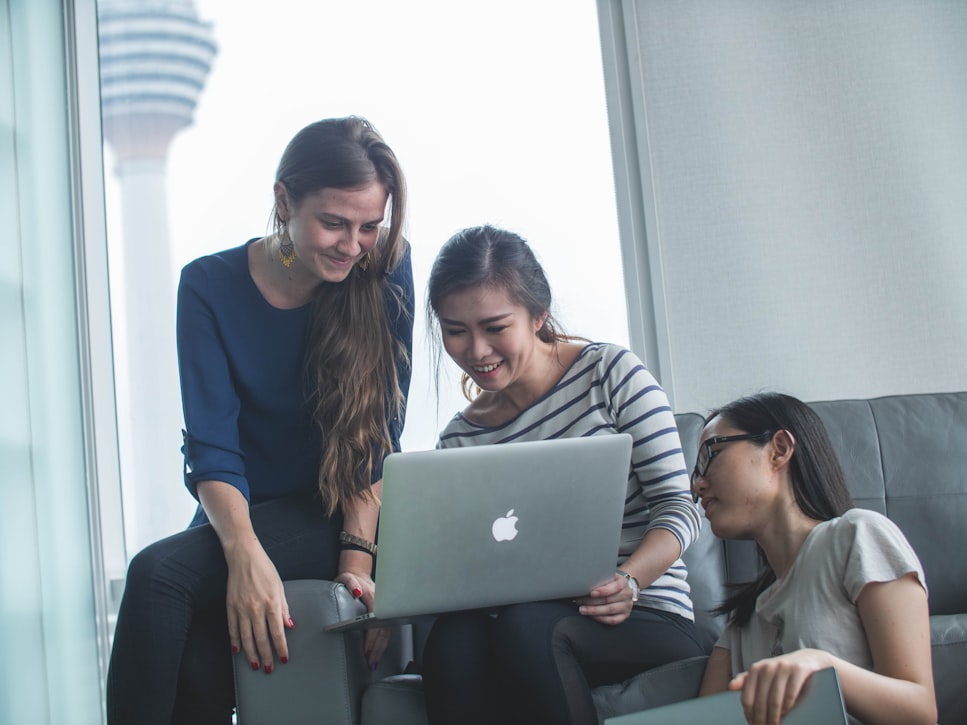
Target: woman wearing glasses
[294, 352]
[841, 586]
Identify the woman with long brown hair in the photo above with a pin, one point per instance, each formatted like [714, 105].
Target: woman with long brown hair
[294, 354]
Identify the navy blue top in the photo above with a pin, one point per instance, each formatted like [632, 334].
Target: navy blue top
[241, 360]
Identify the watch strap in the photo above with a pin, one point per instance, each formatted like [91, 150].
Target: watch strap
[632, 583]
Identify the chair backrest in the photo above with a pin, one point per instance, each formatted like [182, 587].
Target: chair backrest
[903, 456]
[899, 454]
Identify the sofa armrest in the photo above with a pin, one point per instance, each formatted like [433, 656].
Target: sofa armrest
[948, 634]
[673, 682]
[326, 673]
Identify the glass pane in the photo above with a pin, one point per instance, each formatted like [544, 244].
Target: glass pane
[47, 619]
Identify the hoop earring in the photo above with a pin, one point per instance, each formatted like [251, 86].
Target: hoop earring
[286, 247]
[364, 262]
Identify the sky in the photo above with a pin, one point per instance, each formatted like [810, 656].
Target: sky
[495, 110]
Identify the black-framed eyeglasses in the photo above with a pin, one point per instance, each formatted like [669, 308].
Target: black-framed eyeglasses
[706, 454]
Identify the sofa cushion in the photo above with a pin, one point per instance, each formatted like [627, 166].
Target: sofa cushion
[397, 700]
[922, 440]
[948, 635]
[663, 685]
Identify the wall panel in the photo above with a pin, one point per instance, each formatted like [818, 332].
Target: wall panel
[807, 167]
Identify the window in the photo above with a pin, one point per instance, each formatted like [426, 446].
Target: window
[51, 589]
[496, 112]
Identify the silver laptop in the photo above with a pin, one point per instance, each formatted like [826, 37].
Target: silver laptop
[491, 525]
[820, 704]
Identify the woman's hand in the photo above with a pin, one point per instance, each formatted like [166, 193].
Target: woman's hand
[257, 609]
[771, 687]
[355, 567]
[361, 585]
[609, 603]
[376, 639]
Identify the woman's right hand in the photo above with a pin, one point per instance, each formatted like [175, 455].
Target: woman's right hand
[609, 603]
[258, 612]
[771, 687]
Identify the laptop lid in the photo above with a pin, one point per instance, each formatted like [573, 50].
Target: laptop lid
[490, 525]
[820, 702]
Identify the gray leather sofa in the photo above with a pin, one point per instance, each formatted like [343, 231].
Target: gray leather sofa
[904, 456]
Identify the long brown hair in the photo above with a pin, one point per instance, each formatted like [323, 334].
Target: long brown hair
[350, 353]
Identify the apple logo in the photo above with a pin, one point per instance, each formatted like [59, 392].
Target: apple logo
[505, 527]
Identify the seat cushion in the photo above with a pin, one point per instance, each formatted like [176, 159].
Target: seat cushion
[663, 685]
[396, 700]
[948, 632]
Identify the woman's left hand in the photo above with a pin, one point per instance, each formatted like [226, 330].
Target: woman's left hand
[609, 603]
[771, 687]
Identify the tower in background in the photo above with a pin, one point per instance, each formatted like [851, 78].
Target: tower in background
[155, 56]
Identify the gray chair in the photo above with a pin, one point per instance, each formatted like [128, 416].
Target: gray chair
[903, 456]
[326, 674]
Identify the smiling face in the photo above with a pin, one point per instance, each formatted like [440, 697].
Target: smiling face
[489, 336]
[741, 485]
[332, 229]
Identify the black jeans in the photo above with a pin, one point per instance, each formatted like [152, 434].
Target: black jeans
[171, 661]
[538, 662]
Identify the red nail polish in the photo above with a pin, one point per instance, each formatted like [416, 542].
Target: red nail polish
[234, 650]
[255, 665]
[357, 592]
[268, 669]
[285, 660]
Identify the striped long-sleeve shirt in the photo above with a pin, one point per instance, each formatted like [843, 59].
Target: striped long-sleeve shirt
[607, 390]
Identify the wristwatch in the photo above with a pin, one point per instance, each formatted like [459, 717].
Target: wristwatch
[633, 584]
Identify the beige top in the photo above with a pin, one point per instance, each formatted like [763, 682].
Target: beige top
[814, 605]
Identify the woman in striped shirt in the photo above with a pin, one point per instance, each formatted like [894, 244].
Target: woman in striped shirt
[537, 662]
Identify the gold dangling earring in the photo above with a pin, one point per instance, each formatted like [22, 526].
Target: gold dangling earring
[364, 262]
[286, 247]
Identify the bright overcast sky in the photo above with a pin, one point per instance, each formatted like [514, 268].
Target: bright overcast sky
[496, 111]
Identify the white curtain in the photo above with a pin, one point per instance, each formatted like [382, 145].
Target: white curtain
[53, 644]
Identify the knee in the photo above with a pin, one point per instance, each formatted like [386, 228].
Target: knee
[162, 568]
[144, 568]
[535, 622]
[523, 636]
[454, 638]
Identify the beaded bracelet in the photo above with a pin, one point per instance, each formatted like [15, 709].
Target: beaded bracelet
[348, 541]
